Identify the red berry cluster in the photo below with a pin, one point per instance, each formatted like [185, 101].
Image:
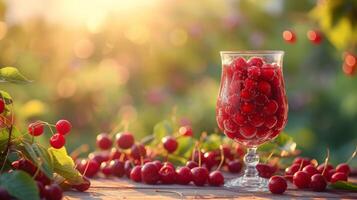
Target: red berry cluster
[252, 106]
[57, 140]
[137, 162]
[350, 64]
[304, 174]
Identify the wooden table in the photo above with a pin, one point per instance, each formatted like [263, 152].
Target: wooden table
[115, 188]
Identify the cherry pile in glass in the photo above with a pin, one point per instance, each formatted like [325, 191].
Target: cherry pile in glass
[252, 105]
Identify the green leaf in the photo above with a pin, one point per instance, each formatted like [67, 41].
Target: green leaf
[161, 130]
[212, 142]
[185, 147]
[40, 157]
[344, 185]
[6, 97]
[12, 75]
[20, 185]
[4, 136]
[64, 165]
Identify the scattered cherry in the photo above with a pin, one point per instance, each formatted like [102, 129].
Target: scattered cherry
[63, 127]
[301, 179]
[289, 36]
[135, 174]
[338, 176]
[138, 151]
[265, 170]
[124, 140]
[318, 183]
[216, 178]
[277, 185]
[167, 174]
[186, 131]
[53, 192]
[35, 128]
[199, 175]
[170, 144]
[150, 173]
[314, 36]
[158, 164]
[103, 141]
[128, 166]
[344, 168]
[106, 169]
[310, 170]
[234, 166]
[117, 168]
[83, 186]
[57, 141]
[184, 175]
[89, 167]
[191, 164]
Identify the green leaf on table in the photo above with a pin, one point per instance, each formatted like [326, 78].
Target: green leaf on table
[20, 185]
[40, 156]
[344, 185]
[161, 130]
[6, 97]
[64, 165]
[12, 75]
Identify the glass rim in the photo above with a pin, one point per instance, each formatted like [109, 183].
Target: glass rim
[257, 52]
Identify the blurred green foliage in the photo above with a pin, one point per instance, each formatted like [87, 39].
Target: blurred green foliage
[141, 63]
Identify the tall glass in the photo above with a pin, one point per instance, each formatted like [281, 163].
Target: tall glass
[252, 106]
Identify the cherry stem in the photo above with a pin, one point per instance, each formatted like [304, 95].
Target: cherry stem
[222, 158]
[85, 170]
[326, 160]
[38, 168]
[352, 156]
[203, 136]
[199, 157]
[122, 155]
[270, 155]
[300, 168]
[141, 160]
[194, 151]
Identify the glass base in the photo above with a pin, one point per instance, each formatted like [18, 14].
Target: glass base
[248, 184]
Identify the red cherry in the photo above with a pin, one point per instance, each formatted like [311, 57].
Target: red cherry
[53, 192]
[128, 166]
[35, 128]
[267, 72]
[239, 119]
[117, 168]
[255, 61]
[256, 120]
[106, 169]
[41, 190]
[344, 168]
[184, 175]
[191, 164]
[246, 95]
[301, 179]
[24, 165]
[314, 36]
[310, 170]
[103, 141]
[115, 154]
[270, 122]
[338, 176]
[250, 84]
[63, 127]
[167, 174]
[99, 156]
[83, 186]
[305, 161]
[135, 174]
[289, 36]
[210, 159]
[199, 175]
[158, 164]
[254, 72]
[216, 178]
[89, 168]
[265, 170]
[261, 99]
[138, 151]
[4, 195]
[150, 173]
[264, 87]
[124, 140]
[239, 63]
[168, 164]
[321, 167]
[350, 64]
[277, 185]
[318, 183]
[247, 107]
[186, 131]
[2, 106]
[57, 141]
[271, 107]
[170, 144]
[248, 131]
[234, 166]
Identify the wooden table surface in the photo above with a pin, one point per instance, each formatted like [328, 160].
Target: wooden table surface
[115, 188]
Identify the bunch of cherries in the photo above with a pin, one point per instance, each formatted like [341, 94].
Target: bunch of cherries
[137, 162]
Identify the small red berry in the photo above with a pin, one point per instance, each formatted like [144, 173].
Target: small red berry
[124, 140]
[186, 131]
[128, 166]
[135, 174]
[253, 72]
[89, 167]
[191, 164]
[277, 185]
[168, 164]
[264, 87]
[103, 141]
[170, 144]
[2, 106]
[106, 169]
[344, 168]
[318, 183]
[63, 127]
[290, 171]
[158, 164]
[137, 151]
[234, 166]
[255, 61]
[305, 161]
[265, 170]
[167, 174]
[150, 173]
[83, 186]
[53, 192]
[289, 36]
[216, 178]
[116, 154]
[99, 156]
[199, 175]
[350, 64]
[117, 168]
[184, 175]
[301, 179]
[321, 168]
[35, 128]
[310, 170]
[314, 36]
[338, 176]
[57, 141]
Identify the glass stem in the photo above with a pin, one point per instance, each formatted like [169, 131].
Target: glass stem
[251, 159]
